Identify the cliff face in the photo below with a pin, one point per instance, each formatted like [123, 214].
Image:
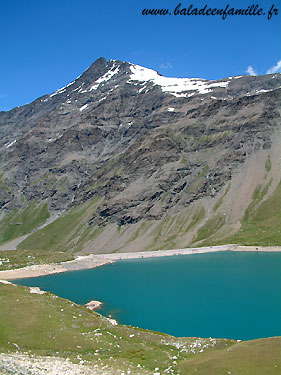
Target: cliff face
[143, 161]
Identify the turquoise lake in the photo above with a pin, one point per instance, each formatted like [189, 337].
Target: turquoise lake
[224, 295]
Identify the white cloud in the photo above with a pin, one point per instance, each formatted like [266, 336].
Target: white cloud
[166, 66]
[251, 71]
[274, 69]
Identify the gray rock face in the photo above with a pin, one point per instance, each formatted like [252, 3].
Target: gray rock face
[148, 144]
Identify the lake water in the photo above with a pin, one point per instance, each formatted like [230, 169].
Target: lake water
[222, 295]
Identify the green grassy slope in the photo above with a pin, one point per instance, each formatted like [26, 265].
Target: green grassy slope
[261, 223]
[65, 233]
[257, 357]
[20, 222]
[12, 259]
[49, 325]
[71, 232]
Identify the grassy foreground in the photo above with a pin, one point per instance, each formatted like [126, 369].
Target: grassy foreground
[44, 324]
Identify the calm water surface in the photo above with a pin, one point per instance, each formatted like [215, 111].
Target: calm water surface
[222, 295]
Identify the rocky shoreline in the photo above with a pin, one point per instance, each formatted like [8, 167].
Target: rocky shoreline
[80, 263]
[94, 305]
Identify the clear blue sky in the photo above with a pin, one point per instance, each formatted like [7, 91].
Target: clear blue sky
[46, 44]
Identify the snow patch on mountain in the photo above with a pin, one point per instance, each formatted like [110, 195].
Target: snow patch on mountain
[63, 89]
[11, 144]
[94, 87]
[60, 91]
[175, 86]
[106, 77]
[83, 107]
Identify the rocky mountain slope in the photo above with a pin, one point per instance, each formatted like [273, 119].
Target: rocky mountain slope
[130, 160]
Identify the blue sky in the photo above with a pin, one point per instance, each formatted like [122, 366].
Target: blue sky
[46, 44]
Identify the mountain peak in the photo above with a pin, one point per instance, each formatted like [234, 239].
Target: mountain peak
[142, 148]
[98, 64]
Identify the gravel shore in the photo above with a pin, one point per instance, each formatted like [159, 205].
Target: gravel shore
[92, 261]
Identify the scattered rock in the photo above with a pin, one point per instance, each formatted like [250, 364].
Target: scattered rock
[94, 305]
[36, 290]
